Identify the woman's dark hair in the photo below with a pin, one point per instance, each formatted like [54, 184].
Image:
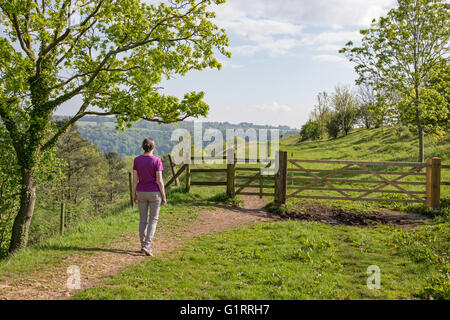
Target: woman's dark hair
[148, 144]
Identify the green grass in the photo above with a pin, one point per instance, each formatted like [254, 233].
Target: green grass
[286, 260]
[390, 144]
[91, 236]
[46, 223]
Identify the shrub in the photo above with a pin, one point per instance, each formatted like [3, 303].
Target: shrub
[224, 199]
[333, 125]
[310, 131]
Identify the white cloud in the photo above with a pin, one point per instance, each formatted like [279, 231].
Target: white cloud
[275, 36]
[229, 64]
[331, 40]
[246, 50]
[255, 28]
[328, 58]
[275, 47]
[329, 47]
[277, 27]
[331, 37]
[336, 27]
[331, 13]
[274, 107]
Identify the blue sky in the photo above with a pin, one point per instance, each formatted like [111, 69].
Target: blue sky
[284, 54]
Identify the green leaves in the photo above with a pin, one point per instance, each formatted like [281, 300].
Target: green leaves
[310, 131]
[118, 52]
[402, 54]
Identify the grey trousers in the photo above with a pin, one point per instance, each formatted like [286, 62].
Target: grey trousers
[149, 204]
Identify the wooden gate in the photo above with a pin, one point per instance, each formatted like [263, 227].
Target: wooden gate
[252, 182]
[368, 181]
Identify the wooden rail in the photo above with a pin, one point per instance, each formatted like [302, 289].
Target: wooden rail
[173, 168]
[233, 188]
[176, 176]
[385, 176]
[373, 163]
[412, 183]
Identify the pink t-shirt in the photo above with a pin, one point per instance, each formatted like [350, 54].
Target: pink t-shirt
[146, 167]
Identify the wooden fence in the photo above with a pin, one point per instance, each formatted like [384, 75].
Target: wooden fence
[308, 179]
[378, 180]
[238, 180]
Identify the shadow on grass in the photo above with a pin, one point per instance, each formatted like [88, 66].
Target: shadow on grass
[257, 212]
[222, 201]
[134, 253]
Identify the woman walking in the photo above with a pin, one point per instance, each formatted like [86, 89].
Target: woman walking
[148, 193]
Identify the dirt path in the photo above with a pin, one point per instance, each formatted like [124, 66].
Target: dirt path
[122, 254]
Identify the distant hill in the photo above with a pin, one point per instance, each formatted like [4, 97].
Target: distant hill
[102, 132]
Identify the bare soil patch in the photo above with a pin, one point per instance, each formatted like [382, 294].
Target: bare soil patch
[339, 216]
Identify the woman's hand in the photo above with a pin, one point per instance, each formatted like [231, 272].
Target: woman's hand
[135, 200]
[163, 201]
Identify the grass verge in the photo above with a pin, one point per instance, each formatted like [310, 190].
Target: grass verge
[293, 260]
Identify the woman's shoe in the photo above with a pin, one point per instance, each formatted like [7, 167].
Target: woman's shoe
[147, 252]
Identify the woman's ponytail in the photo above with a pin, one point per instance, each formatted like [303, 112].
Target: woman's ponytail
[148, 144]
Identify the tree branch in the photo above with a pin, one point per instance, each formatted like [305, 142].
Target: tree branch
[78, 37]
[61, 38]
[80, 75]
[25, 45]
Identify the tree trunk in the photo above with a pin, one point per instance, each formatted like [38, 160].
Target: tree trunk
[421, 144]
[19, 237]
[419, 127]
[367, 122]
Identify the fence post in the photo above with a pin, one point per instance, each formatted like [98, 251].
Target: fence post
[188, 178]
[62, 217]
[261, 182]
[173, 168]
[434, 183]
[231, 178]
[281, 179]
[130, 183]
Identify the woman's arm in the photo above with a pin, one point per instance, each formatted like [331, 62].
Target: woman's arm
[160, 181]
[135, 183]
